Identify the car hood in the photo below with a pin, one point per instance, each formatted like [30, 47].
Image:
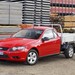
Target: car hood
[10, 42]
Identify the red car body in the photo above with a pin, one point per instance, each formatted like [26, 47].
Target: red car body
[45, 48]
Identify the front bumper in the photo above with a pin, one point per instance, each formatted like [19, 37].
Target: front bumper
[13, 56]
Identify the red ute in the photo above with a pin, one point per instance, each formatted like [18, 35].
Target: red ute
[30, 44]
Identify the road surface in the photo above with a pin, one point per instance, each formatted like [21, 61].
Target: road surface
[53, 65]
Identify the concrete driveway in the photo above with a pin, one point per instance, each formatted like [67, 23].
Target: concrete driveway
[53, 65]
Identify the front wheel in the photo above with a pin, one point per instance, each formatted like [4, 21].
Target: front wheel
[69, 52]
[32, 57]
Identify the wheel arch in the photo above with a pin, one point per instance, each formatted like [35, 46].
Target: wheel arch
[66, 44]
[35, 49]
[37, 55]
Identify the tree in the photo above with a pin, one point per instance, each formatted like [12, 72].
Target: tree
[56, 19]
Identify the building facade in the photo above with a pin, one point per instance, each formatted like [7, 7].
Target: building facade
[63, 7]
[36, 12]
[10, 12]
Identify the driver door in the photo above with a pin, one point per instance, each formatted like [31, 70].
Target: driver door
[48, 46]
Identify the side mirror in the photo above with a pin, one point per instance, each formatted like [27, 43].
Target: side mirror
[45, 39]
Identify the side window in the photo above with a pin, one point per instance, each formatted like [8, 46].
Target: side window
[55, 35]
[48, 34]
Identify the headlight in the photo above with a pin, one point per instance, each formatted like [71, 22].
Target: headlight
[17, 48]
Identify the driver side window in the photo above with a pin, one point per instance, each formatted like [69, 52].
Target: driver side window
[48, 34]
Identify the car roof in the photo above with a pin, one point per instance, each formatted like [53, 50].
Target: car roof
[40, 27]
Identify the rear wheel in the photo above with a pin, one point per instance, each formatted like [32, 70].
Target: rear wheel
[69, 52]
[32, 57]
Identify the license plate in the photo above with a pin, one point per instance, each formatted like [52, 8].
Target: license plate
[1, 53]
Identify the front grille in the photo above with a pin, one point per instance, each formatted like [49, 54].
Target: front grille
[4, 56]
[3, 48]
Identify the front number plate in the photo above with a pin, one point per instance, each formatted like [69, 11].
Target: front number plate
[1, 53]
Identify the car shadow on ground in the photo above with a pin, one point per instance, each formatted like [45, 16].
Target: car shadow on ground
[52, 58]
[48, 59]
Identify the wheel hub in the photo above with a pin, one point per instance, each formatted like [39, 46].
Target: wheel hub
[71, 52]
[32, 57]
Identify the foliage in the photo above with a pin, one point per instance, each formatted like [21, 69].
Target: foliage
[57, 20]
[69, 30]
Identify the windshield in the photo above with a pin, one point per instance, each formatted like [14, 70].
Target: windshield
[29, 34]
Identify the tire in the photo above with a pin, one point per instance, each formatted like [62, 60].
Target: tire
[69, 52]
[32, 57]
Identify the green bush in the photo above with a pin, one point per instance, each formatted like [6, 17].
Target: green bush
[69, 30]
[65, 31]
